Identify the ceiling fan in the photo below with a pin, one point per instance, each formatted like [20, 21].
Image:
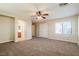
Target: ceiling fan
[40, 14]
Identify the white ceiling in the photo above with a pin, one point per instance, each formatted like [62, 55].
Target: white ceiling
[24, 10]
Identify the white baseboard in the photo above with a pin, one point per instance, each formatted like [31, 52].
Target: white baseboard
[5, 41]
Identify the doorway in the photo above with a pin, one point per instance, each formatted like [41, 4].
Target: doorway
[33, 30]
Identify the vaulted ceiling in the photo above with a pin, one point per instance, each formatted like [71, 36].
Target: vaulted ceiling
[24, 10]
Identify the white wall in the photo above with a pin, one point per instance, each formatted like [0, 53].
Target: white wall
[43, 30]
[6, 29]
[63, 37]
[29, 29]
[78, 29]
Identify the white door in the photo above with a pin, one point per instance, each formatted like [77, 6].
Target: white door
[5, 29]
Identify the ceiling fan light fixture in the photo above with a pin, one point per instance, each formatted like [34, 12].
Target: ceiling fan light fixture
[39, 17]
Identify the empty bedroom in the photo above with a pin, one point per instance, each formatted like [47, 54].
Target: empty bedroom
[39, 29]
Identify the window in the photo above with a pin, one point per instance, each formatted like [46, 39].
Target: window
[67, 28]
[63, 28]
[58, 27]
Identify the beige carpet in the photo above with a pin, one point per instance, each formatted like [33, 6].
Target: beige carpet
[39, 47]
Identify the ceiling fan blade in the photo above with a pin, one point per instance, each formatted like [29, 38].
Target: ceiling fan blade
[45, 14]
[44, 17]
